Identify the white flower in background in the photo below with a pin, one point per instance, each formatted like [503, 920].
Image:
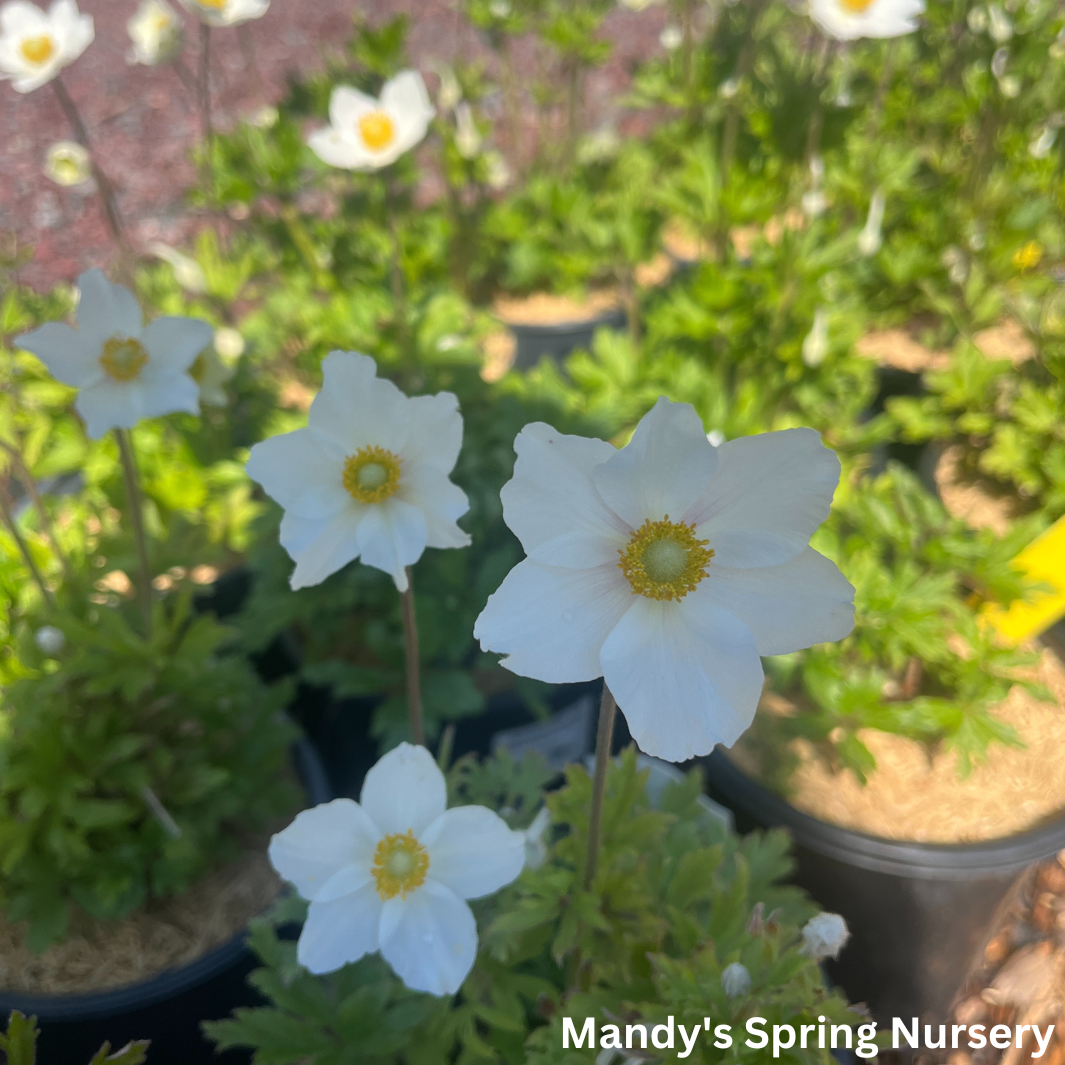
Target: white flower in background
[211, 375]
[977, 20]
[125, 371]
[264, 117]
[226, 12]
[67, 163]
[468, 138]
[667, 567]
[229, 344]
[498, 174]
[638, 5]
[953, 258]
[157, 34]
[1041, 146]
[499, 8]
[824, 936]
[999, 61]
[1009, 86]
[367, 478]
[366, 134]
[35, 46]
[872, 236]
[847, 20]
[187, 272]
[600, 145]
[814, 201]
[728, 89]
[815, 343]
[449, 94]
[49, 640]
[1000, 28]
[671, 38]
[735, 980]
[391, 873]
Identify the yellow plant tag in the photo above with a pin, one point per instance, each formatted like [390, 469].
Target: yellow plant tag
[1043, 561]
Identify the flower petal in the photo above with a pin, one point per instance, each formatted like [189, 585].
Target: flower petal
[356, 408]
[551, 623]
[173, 344]
[169, 394]
[321, 842]
[107, 404]
[69, 356]
[472, 851]
[391, 536]
[106, 310]
[435, 437]
[551, 505]
[404, 791]
[803, 601]
[320, 547]
[663, 470]
[336, 149]
[440, 501]
[294, 471]
[339, 932]
[769, 494]
[348, 105]
[685, 674]
[406, 100]
[429, 938]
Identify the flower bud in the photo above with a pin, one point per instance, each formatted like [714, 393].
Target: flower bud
[264, 118]
[229, 344]
[68, 164]
[671, 38]
[499, 8]
[535, 847]
[815, 346]
[735, 980]
[468, 138]
[977, 20]
[1041, 145]
[499, 174]
[1001, 28]
[449, 94]
[187, 272]
[157, 33]
[49, 640]
[824, 936]
[871, 237]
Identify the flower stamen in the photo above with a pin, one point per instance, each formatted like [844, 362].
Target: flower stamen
[857, 6]
[663, 560]
[123, 358]
[400, 863]
[377, 130]
[372, 474]
[38, 50]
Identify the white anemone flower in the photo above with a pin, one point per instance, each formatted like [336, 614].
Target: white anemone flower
[667, 568]
[824, 936]
[35, 46]
[125, 371]
[366, 133]
[156, 32]
[226, 12]
[391, 873]
[367, 478]
[847, 20]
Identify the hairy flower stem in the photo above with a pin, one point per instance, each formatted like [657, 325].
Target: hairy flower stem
[135, 503]
[8, 515]
[414, 677]
[603, 740]
[103, 183]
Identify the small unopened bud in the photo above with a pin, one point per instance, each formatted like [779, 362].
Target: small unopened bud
[728, 88]
[67, 163]
[824, 936]
[450, 92]
[1001, 28]
[229, 344]
[953, 258]
[498, 173]
[1010, 86]
[49, 640]
[535, 847]
[187, 272]
[999, 61]
[815, 346]
[977, 20]
[871, 237]
[468, 138]
[156, 33]
[1041, 145]
[499, 8]
[264, 118]
[671, 38]
[735, 980]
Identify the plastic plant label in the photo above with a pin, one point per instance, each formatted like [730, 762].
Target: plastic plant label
[1043, 561]
[564, 738]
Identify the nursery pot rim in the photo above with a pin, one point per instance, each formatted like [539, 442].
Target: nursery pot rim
[169, 983]
[612, 316]
[904, 858]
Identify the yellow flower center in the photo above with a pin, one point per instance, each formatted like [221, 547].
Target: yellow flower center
[214, 5]
[663, 560]
[1029, 256]
[857, 6]
[377, 130]
[371, 475]
[37, 50]
[123, 358]
[399, 865]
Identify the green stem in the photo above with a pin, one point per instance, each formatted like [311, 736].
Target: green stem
[414, 679]
[135, 503]
[8, 515]
[607, 712]
[47, 525]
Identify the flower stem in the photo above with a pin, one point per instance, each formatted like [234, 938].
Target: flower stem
[206, 124]
[603, 740]
[135, 503]
[414, 678]
[399, 287]
[8, 515]
[103, 183]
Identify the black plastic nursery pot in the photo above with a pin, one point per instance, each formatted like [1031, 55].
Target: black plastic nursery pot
[918, 912]
[168, 1008]
[535, 342]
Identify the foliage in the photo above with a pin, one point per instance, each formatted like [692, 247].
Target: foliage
[19, 1045]
[676, 899]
